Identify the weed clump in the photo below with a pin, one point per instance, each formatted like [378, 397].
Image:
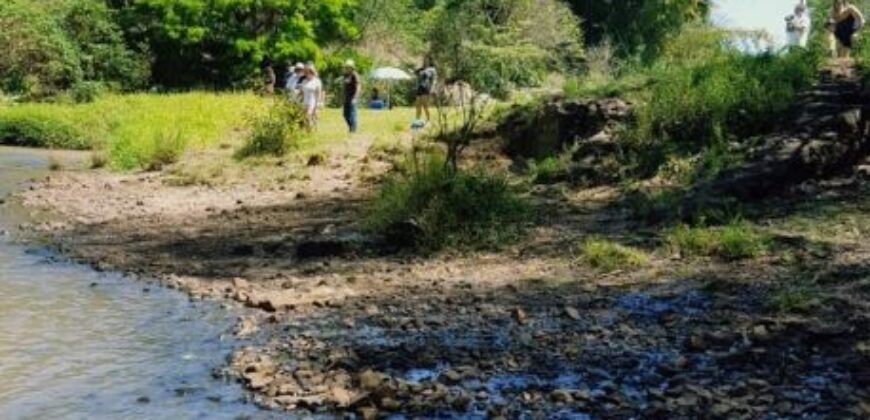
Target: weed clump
[275, 132]
[458, 210]
[734, 241]
[607, 255]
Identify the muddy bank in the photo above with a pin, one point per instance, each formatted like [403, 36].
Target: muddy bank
[526, 331]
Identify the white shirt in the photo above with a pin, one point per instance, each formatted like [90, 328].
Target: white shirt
[800, 36]
[292, 81]
[311, 90]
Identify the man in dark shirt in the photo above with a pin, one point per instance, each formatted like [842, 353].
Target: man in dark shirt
[352, 89]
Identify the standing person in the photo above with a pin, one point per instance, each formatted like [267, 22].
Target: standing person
[427, 76]
[312, 96]
[293, 81]
[798, 26]
[269, 78]
[352, 90]
[847, 20]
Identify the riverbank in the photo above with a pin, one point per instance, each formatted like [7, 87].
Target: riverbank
[533, 329]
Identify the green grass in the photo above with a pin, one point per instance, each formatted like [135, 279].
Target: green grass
[734, 241]
[468, 210]
[607, 255]
[136, 131]
[149, 131]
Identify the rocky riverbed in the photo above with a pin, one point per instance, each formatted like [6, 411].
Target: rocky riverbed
[524, 332]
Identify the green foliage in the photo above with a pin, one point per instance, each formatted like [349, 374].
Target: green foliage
[464, 210]
[799, 297]
[136, 131]
[50, 47]
[275, 132]
[37, 59]
[221, 43]
[697, 101]
[734, 241]
[84, 92]
[498, 46]
[608, 256]
[637, 27]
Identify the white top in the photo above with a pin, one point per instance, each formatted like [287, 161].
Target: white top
[800, 33]
[311, 92]
[292, 81]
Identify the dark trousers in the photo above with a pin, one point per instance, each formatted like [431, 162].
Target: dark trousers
[350, 116]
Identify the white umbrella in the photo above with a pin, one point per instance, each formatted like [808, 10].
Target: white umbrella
[389, 73]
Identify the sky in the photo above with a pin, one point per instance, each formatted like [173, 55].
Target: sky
[768, 15]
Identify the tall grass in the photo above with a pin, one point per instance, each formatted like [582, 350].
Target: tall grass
[136, 131]
[465, 210]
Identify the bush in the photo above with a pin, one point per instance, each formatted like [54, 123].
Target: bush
[609, 256]
[736, 240]
[465, 210]
[718, 93]
[84, 92]
[38, 127]
[275, 132]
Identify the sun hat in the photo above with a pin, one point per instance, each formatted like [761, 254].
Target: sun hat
[350, 63]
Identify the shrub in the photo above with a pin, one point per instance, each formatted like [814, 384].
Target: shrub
[275, 132]
[465, 210]
[84, 92]
[736, 240]
[739, 240]
[165, 150]
[606, 255]
[689, 241]
[39, 127]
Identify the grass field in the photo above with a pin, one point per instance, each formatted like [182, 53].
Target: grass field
[146, 130]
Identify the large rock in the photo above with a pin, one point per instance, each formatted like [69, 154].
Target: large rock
[540, 131]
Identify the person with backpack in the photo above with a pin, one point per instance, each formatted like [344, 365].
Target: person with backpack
[427, 77]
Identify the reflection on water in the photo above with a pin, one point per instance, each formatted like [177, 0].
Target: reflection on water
[78, 344]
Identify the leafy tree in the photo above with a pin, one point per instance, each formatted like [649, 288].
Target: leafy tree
[220, 42]
[38, 59]
[103, 53]
[637, 26]
[499, 45]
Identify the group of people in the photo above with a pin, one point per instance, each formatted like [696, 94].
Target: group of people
[845, 21]
[303, 85]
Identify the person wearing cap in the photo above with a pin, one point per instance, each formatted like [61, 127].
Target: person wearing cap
[352, 90]
[293, 81]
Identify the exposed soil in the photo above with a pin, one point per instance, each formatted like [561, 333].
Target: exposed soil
[527, 331]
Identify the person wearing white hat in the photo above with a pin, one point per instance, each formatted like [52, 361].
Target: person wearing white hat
[293, 79]
[352, 88]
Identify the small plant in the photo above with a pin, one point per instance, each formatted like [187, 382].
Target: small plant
[736, 240]
[739, 240]
[275, 132]
[54, 164]
[688, 241]
[794, 298]
[465, 210]
[165, 150]
[607, 255]
[98, 160]
[86, 92]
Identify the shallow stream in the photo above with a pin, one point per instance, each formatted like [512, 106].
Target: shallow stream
[75, 343]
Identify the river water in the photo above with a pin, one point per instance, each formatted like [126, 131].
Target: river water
[79, 344]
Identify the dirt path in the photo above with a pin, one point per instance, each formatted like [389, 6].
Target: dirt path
[524, 332]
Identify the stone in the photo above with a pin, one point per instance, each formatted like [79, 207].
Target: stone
[520, 316]
[572, 313]
[451, 376]
[561, 396]
[390, 404]
[143, 400]
[370, 380]
[368, 413]
[240, 283]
